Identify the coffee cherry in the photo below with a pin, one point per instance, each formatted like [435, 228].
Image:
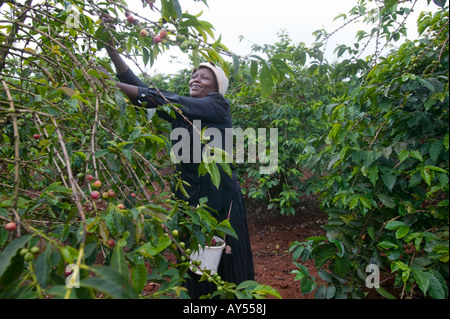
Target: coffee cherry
[130, 19]
[163, 33]
[180, 38]
[95, 195]
[28, 256]
[157, 39]
[111, 242]
[10, 226]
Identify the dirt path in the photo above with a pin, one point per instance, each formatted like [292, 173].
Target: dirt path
[271, 235]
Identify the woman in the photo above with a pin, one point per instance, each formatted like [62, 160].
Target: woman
[206, 104]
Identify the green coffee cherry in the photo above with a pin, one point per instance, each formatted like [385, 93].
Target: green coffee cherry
[28, 256]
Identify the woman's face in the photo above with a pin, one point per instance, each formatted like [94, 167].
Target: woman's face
[202, 82]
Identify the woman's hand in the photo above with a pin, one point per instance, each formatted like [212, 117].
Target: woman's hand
[107, 20]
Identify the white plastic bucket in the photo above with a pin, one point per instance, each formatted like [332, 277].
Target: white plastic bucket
[209, 257]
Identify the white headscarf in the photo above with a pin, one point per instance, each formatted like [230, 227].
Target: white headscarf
[222, 80]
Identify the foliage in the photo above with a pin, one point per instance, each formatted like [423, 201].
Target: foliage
[288, 109]
[369, 135]
[384, 162]
[372, 135]
[62, 121]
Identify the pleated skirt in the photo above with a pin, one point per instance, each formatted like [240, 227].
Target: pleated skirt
[235, 267]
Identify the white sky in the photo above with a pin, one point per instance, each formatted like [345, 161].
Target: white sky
[259, 21]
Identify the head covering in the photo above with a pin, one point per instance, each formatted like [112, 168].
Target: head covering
[222, 80]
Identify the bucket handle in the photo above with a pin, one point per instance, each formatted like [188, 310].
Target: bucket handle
[227, 247]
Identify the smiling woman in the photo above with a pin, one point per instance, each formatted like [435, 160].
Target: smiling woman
[206, 105]
[202, 82]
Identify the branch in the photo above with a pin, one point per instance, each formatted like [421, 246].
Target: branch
[12, 36]
[16, 155]
[71, 180]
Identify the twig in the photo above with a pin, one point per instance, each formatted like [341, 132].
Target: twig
[71, 180]
[17, 160]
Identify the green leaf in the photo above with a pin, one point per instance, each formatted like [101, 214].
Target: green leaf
[155, 211]
[331, 292]
[168, 9]
[307, 285]
[416, 155]
[395, 224]
[342, 265]
[145, 55]
[365, 202]
[235, 63]
[387, 244]
[426, 175]
[422, 280]
[43, 267]
[404, 154]
[177, 8]
[436, 288]
[266, 81]
[301, 272]
[389, 4]
[101, 153]
[265, 290]
[215, 174]
[225, 227]
[323, 253]
[118, 262]
[386, 200]
[389, 180]
[10, 251]
[384, 293]
[297, 252]
[435, 150]
[440, 3]
[139, 277]
[109, 282]
[402, 232]
[254, 69]
[56, 187]
[340, 247]
[373, 174]
[149, 249]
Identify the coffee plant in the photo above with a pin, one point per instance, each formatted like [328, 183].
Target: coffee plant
[384, 165]
[368, 134]
[86, 203]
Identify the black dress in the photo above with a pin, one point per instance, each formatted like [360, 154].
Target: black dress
[213, 111]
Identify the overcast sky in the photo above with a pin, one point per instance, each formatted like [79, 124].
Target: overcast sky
[259, 21]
